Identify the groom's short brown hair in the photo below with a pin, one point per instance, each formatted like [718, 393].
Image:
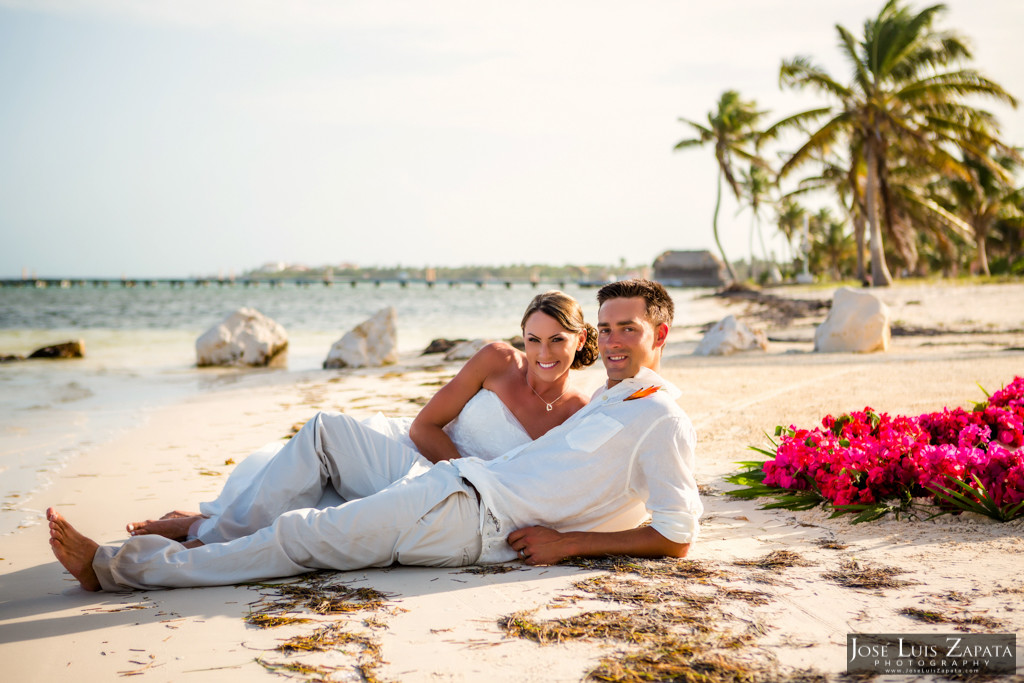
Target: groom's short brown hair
[660, 308]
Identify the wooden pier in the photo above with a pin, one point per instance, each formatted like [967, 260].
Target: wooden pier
[69, 283]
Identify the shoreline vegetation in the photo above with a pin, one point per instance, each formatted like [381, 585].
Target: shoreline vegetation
[917, 174]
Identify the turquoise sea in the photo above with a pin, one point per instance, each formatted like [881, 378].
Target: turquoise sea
[140, 354]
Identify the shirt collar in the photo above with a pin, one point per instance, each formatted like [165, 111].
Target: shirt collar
[641, 380]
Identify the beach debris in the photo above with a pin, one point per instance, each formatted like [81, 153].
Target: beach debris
[245, 337]
[318, 593]
[467, 349]
[667, 633]
[852, 575]
[776, 559]
[963, 623]
[372, 343]
[730, 336]
[323, 595]
[68, 349]
[665, 568]
[777, 311]
[858, 322]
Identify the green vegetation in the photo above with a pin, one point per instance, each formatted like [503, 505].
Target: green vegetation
[919, 171]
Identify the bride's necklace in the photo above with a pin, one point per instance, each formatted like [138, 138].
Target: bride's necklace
[549, 405]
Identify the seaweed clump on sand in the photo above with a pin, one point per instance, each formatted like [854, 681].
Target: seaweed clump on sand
[775, 560]
[962, 623]
[318, 593]
[667, 568]
[673, 630]
[852, 575]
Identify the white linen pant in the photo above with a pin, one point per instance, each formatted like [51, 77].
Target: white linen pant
[426, 516]
[332, 449]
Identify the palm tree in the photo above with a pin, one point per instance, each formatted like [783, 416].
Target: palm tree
[733, 129]
[757, 184]
[846, 180]
[831, 245]
[905, 102]
[790, 220]
[985, 199]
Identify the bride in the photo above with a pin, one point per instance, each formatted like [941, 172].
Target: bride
[500, 399]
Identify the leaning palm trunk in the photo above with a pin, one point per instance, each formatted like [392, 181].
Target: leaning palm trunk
[880, 276]
[981, 227]
[714, 227]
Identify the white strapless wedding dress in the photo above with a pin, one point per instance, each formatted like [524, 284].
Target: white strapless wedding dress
[485, 428]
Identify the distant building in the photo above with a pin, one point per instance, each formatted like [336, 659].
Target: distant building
[690, 269]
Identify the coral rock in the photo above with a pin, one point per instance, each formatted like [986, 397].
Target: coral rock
[858, 322]
[245, 337]
[69, 349]
[371, 343]
[729, 336]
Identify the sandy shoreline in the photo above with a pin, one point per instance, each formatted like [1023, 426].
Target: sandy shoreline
[443, 624]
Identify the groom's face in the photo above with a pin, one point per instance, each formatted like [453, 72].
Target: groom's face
[626, 338]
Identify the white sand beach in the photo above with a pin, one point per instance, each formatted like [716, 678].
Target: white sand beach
[443, 624]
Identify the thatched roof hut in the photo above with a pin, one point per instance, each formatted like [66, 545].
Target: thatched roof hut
[690, 269]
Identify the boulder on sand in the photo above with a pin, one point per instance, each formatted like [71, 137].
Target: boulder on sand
[858, 322]
[371, 343]
[729, 336]
[245, 337]
[466, 349]
[68, 349]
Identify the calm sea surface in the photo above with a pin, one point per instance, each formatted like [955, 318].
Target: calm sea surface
[140, 354]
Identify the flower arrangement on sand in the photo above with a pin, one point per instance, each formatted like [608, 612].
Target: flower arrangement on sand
[868, 464]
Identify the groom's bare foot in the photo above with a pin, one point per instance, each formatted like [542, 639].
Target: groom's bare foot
[73, 550]
[174, 525]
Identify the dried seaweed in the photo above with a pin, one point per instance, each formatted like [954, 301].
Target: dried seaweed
[262, 620]
[935, 617]
[640, 592]
[329, 637]
[315, 593]
[829, 544]
[776, 559]
[668, 568]
[318, 593]
[852, 575]
[491, 569]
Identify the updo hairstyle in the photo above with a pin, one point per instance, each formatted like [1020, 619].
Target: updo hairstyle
[566, 310]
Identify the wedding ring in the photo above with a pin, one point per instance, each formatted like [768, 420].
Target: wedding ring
[522, 554]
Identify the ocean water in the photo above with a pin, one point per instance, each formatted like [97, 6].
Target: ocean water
[140, 355]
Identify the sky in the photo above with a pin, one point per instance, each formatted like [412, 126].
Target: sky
[171, 138]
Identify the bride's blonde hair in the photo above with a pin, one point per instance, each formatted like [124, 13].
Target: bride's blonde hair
[567, 312]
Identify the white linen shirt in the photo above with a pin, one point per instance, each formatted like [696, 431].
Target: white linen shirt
[603, 469]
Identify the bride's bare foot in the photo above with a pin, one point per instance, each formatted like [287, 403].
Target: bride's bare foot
[73, 550]
[174, 525]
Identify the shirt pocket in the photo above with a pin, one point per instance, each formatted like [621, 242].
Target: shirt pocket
[592, 433]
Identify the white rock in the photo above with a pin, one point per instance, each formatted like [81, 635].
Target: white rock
[246, 336]
[371, 343]
[729, 336]
[858, 322]
[466, 350]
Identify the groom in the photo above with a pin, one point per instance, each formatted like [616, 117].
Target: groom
[579, 490]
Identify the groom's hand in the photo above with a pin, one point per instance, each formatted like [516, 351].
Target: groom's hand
[540, 545]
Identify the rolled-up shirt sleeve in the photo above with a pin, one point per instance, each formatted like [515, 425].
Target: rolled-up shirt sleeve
[662, 473]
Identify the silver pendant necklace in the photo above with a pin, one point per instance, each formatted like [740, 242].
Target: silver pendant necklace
[549, 405]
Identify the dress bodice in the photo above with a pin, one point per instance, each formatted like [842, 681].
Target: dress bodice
[485, 428]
